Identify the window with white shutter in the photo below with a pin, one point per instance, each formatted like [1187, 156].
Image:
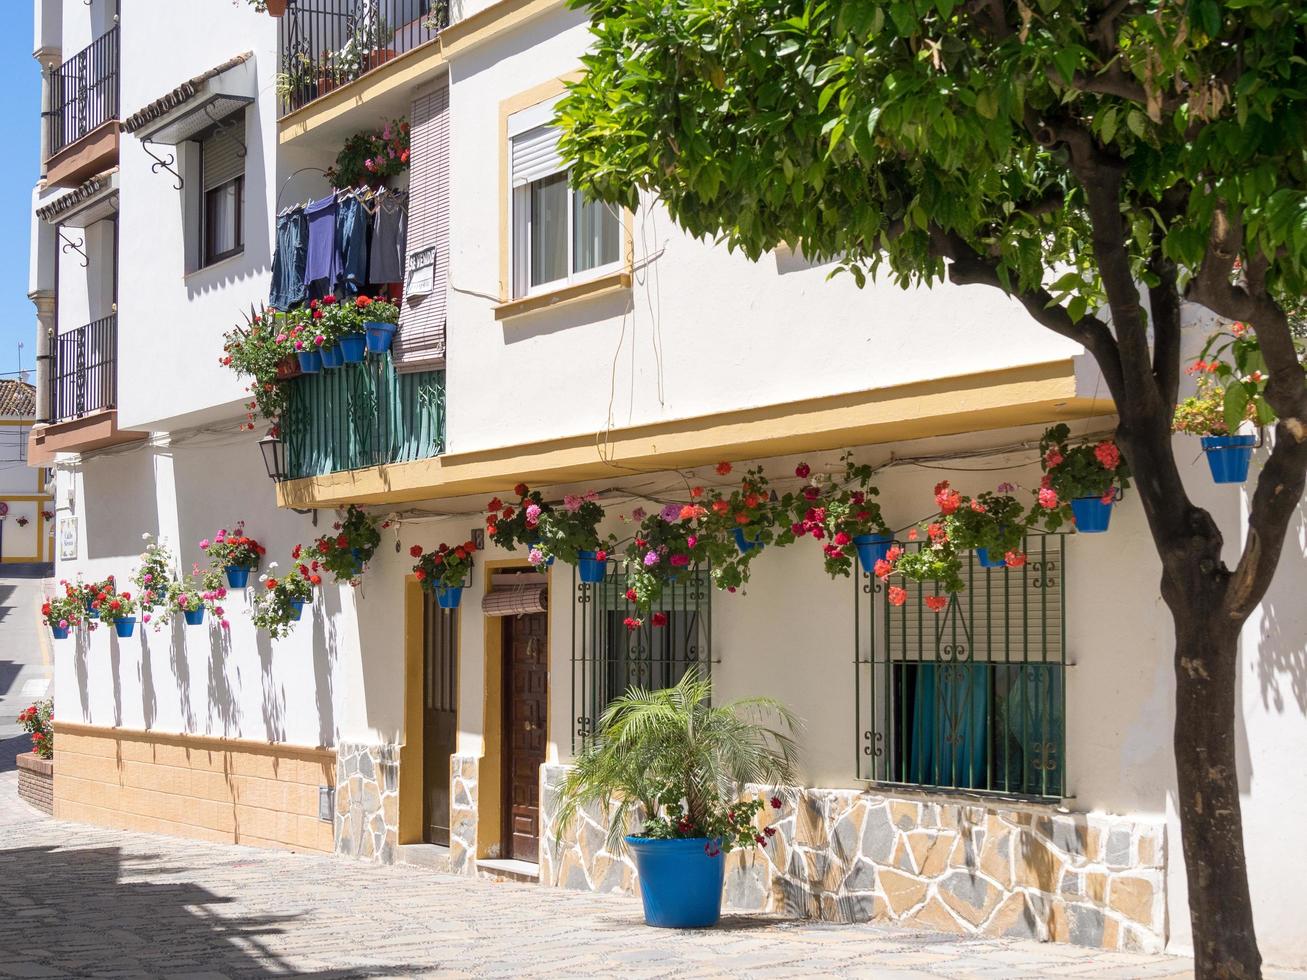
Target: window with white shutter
[222, 182]
[420, 342]
[559, 235]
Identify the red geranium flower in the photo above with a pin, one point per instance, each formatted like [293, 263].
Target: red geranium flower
[723, 468]
[521, 489]
[416, 551]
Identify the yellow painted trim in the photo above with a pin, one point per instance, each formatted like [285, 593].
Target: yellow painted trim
[614, 282]
[411, 770]
[19, 559]
[491, 22]
[26, 498]
[398, 74]
[1037, 393]
[516, 103]
[17, 421]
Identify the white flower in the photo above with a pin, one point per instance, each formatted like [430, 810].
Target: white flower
[271, 565]
[145, 536]
[263, 578]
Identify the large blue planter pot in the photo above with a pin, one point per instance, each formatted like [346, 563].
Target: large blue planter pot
[1092, 515]
[194, 617]
[124, 627]
[331, 356]
[1229, 456]
[59, 632]
[237, 577]
[379, 336]
[680, 882]
[357, 555]
[297, 609]
[449, 596]
[871, 549]
[352, 347]
[982, 556]
[745, 544]
[310, 362]
[589, 568]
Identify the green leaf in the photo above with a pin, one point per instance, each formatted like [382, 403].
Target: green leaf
[1107, 124]
[987, 103]
[1137, 122]
[872, 118]
[1236, 406]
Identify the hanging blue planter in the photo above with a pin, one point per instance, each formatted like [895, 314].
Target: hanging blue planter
[589, 568]
[1229, 456]
[352, 347]
[680, 881]
[331, 356]
[194, 617]
[871, 549]
[59, 632]
[449, 596]
[124, 626]
[379, 336]
[534, 543]
[310, 362]
[238, 576]
[744, 544]
[1092, 515]
[357, 555]
[982, 556]
[297, 609]
[92, 613]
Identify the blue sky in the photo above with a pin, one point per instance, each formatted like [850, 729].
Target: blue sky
[20, 116]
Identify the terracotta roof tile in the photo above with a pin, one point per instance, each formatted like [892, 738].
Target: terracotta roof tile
[182, 94]
[17, 399]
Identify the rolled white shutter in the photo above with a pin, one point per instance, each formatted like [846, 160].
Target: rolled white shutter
[535, 155]
[420, 342]
[220, 158]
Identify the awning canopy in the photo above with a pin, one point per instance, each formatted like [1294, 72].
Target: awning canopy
[93, 200]
[197, 104]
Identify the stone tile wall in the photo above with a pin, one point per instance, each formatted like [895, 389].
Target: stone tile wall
[36, 781]
[463, 813]
[847, 856]
[367, 801]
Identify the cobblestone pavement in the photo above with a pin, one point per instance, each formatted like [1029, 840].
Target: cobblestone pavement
[78, 901]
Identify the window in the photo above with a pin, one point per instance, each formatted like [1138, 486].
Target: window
[222, 204]
[559, 235]
[608, 658]
[973, 697]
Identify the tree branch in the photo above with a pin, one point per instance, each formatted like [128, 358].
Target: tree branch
[1164, 301]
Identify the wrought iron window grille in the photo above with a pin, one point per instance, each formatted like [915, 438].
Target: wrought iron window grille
[971, 699]
[608, 658]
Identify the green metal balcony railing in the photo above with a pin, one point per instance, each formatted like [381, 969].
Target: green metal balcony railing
[362, 415]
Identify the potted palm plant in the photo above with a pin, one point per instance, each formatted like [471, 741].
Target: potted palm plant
[679, 764]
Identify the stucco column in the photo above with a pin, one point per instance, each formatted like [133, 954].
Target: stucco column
[44, 301]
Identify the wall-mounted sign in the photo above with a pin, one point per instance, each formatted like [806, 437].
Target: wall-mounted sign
[68, 537]
[421, 278]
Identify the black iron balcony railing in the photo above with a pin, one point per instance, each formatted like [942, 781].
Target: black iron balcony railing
[85, 373]
[328, 43]
[84, 91]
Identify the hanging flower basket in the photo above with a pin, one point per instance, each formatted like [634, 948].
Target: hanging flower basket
[124, 627]
[297, 609]
[871, 549]
[289, 367]
[448, 596]
[310, 362]
[238, 576]
[743, 542]
[1092, 514]
[353, 347]
[379, 336]
[332, 356]
[590, 567]
[194, 617]
[1228, 457]
[59, 632]
[982, 556]
[276, 7]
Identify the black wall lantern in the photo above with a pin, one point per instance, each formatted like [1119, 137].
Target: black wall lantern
[274, 456]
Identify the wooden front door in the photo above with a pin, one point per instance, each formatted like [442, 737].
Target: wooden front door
[526, 696]
[439, 715]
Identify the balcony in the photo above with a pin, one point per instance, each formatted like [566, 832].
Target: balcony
[83, 394]
[327, 44]
[363, 415]
[82, 119]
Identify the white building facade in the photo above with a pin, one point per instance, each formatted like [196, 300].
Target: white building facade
[546, 341]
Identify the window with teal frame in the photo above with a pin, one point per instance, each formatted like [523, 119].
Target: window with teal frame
[608, 658]
[971, 698]
[360, 415]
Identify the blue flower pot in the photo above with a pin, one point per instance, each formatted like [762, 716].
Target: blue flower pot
[194, 617]
[352, 347]
[124, 626]
[871, 549]
[310, 362]
[680, 882]
[982, 556]
[590, 568]
[1229, 456]
[238, 576]
[59, 632]
[357, 554]
[92, 613]
[449, 596]
[1092, 515]
[297, 609]
[744, 544]
[379, 336]
[331, 356]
